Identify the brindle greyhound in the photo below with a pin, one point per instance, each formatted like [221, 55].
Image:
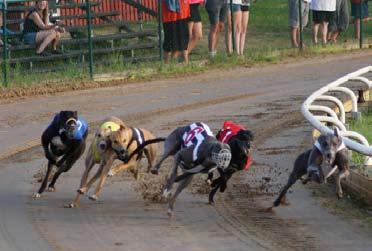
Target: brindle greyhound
[329, 149]
[64, 138]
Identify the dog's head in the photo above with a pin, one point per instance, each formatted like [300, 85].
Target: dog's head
[103, 138]
[220, 155]
[329, 145]
[68, 123]
[120, 140]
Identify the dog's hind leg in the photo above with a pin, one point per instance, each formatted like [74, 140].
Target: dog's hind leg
[172, 144]
[342, 175]
[44, 183]
[172, 175]
[182, 185]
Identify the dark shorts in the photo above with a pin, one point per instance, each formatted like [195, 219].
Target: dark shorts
[217, 14]
[29, 38]
[194, 13]
[244, 7]
[355, 10]
[176, 35]
[322, 16]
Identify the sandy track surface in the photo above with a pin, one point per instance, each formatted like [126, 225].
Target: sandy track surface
[265, 99]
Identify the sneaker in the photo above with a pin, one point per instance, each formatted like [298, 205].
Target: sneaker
[43, 54]
[57, 52]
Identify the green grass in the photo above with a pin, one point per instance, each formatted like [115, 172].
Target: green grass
[364, 127]
[267, 41]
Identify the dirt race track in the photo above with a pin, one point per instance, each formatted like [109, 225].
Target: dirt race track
[265, 99]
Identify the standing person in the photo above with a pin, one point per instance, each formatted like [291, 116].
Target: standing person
[176, 14]
[244, 24]
[294, 20]
[235, 8]
[355, 13]
[340, 20]
[195, 24]
[323, 11]
[37, 30]
[217, 15]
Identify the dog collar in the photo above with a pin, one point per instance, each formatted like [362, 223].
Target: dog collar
[319, 147]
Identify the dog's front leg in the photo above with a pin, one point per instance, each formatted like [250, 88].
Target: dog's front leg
[102, 180]
[342, 175]
[45, 181]
[182, 185]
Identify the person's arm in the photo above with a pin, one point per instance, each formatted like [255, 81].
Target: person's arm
[36, 18]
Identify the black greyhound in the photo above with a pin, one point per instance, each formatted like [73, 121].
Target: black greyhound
[239, 139]
[65, 139]
[329, 149]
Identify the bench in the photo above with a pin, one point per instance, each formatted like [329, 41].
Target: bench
[81, 53]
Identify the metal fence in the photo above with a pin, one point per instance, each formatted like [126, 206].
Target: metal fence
[113, 35]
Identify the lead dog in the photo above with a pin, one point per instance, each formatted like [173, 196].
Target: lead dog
[329, 149]
[195, 150]
[64, 138]
[116, 143]
[100, 152]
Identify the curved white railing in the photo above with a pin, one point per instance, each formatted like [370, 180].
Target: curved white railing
[353, 140]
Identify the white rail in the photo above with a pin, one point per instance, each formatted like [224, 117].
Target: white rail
[353, 140]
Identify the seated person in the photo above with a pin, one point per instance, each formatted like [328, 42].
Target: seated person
[37, 30]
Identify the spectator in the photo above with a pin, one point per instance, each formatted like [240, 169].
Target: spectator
[7, 31]
[176, 14]
[323, 11]
[294, 20]
[355, 13]
[195, 24]
[244, 24]
[235, 8]
[340, 20]
[217, 15]
[37, 30]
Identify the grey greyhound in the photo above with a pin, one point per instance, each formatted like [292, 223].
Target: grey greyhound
[328, 148]
[195, 150]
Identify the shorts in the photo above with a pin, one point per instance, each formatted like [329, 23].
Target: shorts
[294, 21]
[176, 35]
[244, 7]
[355, 10]
[234, 7]
[322, 16]
[194, 13]
[340, 20]
[217, 14]
[29, 38]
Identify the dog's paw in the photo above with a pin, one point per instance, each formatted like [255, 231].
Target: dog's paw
[93, 197]
[170, 213]
[166, 193]
[36, 195]
[211, 202]
[81, 191]
[340, 196]
[111, 173]
[209, 182]
[71, 205]
[51, 189]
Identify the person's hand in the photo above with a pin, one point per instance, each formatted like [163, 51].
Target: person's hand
[60, 29]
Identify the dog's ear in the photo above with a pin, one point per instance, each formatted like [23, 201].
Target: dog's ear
[245, 135]
[75, 115]
[122, 128]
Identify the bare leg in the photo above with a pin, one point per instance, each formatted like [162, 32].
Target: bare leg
[44, 39]
[315, 32]
[244, 27]
[196, 33]
[294, 40]
[324, 26]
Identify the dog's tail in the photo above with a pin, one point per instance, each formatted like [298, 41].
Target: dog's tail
[142, 146]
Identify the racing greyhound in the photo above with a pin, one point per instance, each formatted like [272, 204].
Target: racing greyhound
[328, 148]
[64, 138]
[196, 150]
